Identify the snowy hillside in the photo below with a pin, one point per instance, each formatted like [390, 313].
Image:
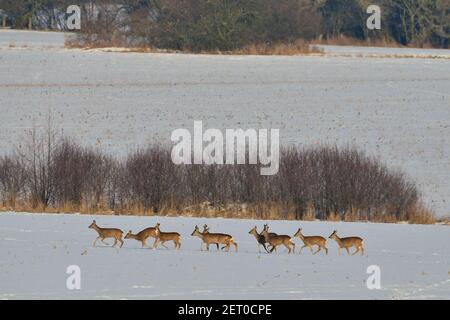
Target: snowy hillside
[36, 249]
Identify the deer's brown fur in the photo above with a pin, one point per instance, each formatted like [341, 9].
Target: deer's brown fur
[214, 238]
[348, 242]
[105, 233]
[309, 241]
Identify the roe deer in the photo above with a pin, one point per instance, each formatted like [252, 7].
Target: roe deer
[348, 242]
[310, 241]
[275, 240]
[266, 227]
[206, 230]
[143, 235]
[163, 237]
[216, 238]
[259, 238]
[104, 233]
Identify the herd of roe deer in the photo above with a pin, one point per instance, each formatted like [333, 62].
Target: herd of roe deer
[272, 240]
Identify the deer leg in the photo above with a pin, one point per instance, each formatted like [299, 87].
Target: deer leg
[288, 247]
[121, 243]
[348, 251]
[115, 242]
[310, 249]
[362, 250]
[326, 250]
[103, 240]
[155, 243]
[339, 250]
[265, 248]
[235, 246]
[163, 244]
[318, 249]
[302, 248]
[96, 241]
[356, 251]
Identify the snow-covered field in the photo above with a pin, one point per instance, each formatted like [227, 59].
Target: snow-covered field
[36, 249]
[384, 51]
[397, 109]
[31, 39]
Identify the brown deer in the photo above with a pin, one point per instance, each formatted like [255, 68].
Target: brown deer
[105, 233]
[310, 241]
[206, 230]
[275, 240]
[348, 242]
[163, 237]
[266, 227]
[259, 238]
[143, 235]
[216, 238]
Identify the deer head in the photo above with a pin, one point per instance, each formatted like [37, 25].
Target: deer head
[333, 235]
[93, 225]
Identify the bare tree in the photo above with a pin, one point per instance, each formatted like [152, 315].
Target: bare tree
[37, 154]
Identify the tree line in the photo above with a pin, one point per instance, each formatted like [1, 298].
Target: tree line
[48, 172]
[228, 25]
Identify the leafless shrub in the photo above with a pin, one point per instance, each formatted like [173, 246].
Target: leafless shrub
[12, 180]
[324, 182]
[37, 155]
[81, 175]
[147, 179]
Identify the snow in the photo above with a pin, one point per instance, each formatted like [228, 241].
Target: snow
[384, 51]
[36, 249]
[396, 109]
[31, 39]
